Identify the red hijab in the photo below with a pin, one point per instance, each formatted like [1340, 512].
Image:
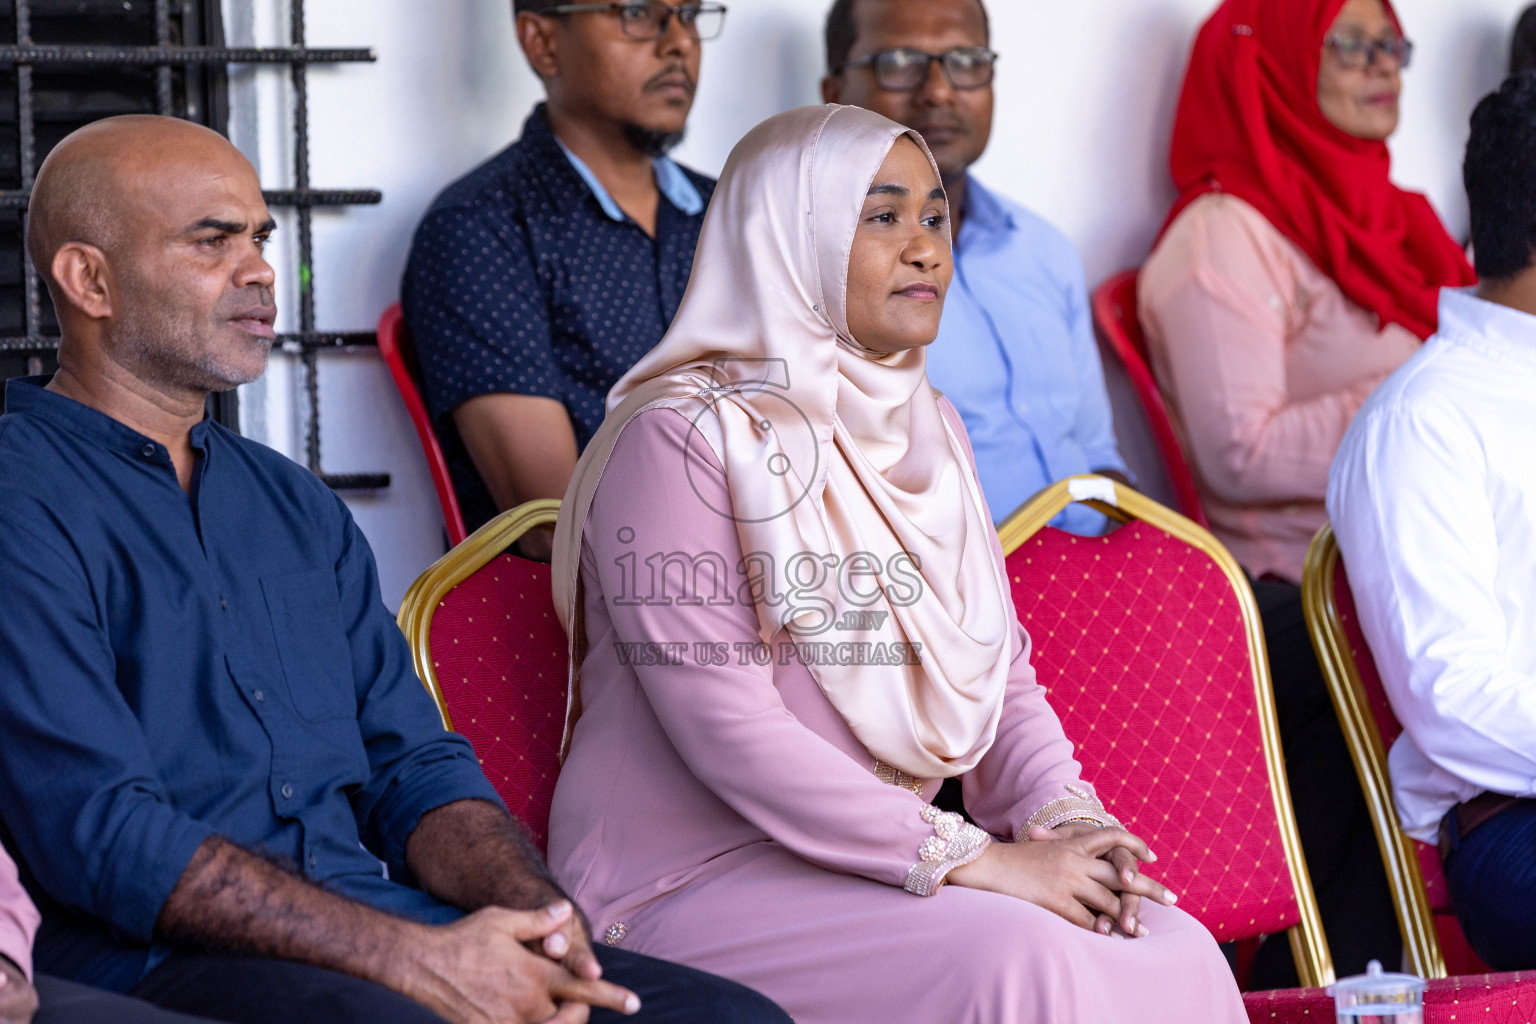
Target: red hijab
[1249, 124]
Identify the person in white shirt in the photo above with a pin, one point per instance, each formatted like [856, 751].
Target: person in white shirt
[1433, 498]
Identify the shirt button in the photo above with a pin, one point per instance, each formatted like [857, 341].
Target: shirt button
[224, 603]
[287, 791]
[313, 860]
[260, 696]
[148, 451]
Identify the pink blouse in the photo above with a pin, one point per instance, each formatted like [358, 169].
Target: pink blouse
[18, 917]
[1263, 362]
[679, 772]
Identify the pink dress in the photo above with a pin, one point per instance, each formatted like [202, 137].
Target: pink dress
[1263, 362]
[724, 816]
[18, 917]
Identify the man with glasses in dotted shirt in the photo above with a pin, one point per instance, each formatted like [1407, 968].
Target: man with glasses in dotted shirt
[1015, 351]
[542, 276]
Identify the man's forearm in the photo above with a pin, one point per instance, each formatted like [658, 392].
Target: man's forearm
[229, 899]
[471, 854]
[483, 967]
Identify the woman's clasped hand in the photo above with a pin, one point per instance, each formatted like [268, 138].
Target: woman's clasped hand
[1089, 875]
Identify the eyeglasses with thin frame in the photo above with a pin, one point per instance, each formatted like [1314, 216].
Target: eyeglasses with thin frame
[1357, 52]
[650, 19]
[904, 69]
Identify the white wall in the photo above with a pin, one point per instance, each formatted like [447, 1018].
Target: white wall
[1085, 99]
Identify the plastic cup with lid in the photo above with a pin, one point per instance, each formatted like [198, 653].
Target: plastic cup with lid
[1377, 997]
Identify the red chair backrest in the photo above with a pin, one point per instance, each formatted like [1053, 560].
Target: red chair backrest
[400, 356]
[1115, 315]
[1459, 958]
[1375, 694]
[499, 655]
[1139, 640]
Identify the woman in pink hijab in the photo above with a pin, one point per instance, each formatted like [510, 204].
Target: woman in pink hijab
[790, 623]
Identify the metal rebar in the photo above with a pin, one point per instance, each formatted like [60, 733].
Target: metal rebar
[299, 341]
[26, 131]
[84, 53]
[164, 100]
[322, 197]
[299, 75]
[18, 199]
[355, 481]
[295, 342]
[25, 345]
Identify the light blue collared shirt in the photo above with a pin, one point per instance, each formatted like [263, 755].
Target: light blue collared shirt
[674, 184]
[1017, 357]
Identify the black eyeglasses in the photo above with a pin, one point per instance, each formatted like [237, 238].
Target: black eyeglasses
[1357, 52]
[649, 19]
[905, 69]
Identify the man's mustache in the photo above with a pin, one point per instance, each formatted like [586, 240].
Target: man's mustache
[248, 299]
[673, 72]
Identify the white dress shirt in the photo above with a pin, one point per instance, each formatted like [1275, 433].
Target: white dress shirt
[1433, 498]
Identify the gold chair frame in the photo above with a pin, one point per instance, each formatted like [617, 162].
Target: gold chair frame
[1369, 754]
[1314, 964]
[421, 602]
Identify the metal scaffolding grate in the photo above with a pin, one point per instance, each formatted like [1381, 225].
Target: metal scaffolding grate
[171, 58]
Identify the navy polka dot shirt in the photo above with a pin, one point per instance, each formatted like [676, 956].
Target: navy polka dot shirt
[518, 282]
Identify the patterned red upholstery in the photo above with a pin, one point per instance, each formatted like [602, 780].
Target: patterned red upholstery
[1139, 640]
[500, 658]
[1459, 958]
[1484, 998]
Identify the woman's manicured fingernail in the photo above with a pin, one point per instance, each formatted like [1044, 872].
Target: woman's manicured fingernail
[558, 944]
[1172, 896]
[632, 1004]
[1141, 931]
[557, 908]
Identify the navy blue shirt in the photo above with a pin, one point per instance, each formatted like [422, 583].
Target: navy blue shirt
[174, 667]
[522, 281]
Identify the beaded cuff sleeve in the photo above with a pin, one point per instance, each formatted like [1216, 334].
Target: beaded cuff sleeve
[893, 776]
[1080, 806]
[953, 843]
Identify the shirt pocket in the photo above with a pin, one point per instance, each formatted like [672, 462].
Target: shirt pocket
[311, 643]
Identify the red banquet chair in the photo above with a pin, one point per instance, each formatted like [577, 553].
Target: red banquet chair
[1431, 933]
[485, 640]
[400, 356]
[1149, 644]
[1115, 315]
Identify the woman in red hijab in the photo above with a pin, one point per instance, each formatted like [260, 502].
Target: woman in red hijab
[1293, 276]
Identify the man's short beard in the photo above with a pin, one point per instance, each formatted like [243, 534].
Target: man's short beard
[166, 347]
[649, 141]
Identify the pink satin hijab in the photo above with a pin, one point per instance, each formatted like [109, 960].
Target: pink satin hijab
[830, 450]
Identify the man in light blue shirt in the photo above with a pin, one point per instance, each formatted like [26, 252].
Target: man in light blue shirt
[1015, 351]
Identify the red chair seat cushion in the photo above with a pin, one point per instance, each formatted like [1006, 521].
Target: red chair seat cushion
[1486, 998]
[500, 658]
